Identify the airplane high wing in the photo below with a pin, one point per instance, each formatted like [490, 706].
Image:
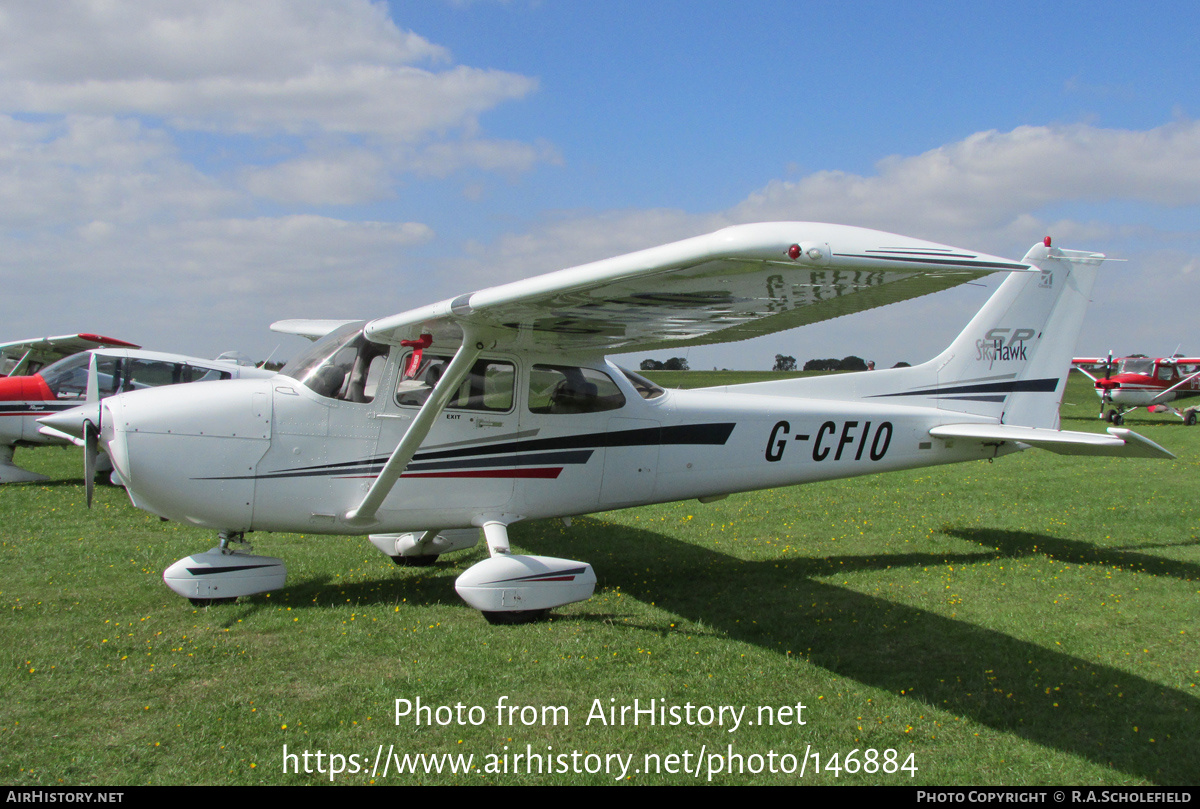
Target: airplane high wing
[466, 416]
[734, 284]
[23, 357]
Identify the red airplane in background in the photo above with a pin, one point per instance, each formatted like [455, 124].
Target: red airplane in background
[1147, 382]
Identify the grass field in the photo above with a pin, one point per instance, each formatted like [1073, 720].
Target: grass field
[1031, 621]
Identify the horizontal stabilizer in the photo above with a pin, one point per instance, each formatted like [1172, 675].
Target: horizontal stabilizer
[1119, 442]
[312, 329]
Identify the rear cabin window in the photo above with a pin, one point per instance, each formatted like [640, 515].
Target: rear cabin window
[120, 374]
[488, 387]
[568, 389]
[68, 378]
[645, 388]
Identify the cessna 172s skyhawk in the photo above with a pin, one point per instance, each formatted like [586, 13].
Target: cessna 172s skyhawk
[499, 406]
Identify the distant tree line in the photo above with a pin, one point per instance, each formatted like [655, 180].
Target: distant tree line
[673, 364]
[850, 363]
[783, 362]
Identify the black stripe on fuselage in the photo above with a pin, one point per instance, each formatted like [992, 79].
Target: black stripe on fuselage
[565, 450]
[373, 466]
[712, 434]
[1048, 385]
[36, 408]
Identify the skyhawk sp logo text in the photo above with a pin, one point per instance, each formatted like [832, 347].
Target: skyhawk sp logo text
[1003, 345]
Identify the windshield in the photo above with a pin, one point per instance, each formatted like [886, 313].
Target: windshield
[1137, 365]
[67, 378]
[342, 365]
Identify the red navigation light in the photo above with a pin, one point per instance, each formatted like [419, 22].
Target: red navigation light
[794, 252]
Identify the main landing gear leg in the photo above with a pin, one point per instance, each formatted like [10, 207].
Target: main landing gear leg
[496, 534]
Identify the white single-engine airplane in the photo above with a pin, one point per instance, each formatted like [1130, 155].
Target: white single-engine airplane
[87, 377]
[499, 406]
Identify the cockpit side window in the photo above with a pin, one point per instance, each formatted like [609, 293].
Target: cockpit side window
[570, 389]
[488, 387]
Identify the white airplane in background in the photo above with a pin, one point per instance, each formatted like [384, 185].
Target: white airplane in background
[24, 357]
[85, 377]
[499, 406]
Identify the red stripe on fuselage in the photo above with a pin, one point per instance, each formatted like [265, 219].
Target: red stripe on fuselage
[548, 474]
[544, 474]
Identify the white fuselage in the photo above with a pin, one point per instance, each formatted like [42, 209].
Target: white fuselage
[273, 455]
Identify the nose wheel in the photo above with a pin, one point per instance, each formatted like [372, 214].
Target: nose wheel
[222, 574]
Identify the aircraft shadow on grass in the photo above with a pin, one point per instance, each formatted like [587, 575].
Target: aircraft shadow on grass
[981, 674]
[952, 665]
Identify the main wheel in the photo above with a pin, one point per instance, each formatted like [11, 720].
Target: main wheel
[211, 602]
[1190, 418]
[516, 616]
[415, 561]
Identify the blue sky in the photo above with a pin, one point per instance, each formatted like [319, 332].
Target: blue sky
[181, 174]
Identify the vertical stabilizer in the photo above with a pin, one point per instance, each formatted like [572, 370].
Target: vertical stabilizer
[1011, 361]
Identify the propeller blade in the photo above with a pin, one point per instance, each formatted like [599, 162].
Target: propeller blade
[91, 448]
[1108, 365]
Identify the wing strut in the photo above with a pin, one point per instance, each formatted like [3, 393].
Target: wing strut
[1183, 381]
[453, 376]
[19, 368]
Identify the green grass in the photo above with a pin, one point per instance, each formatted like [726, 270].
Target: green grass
[1031, 621]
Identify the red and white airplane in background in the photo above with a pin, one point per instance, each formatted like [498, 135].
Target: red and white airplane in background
[1149, 382]
[24, 357]
[85, 377]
